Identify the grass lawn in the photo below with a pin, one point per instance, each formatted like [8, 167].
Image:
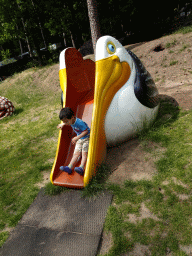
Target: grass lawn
[156, 214]
[28, 141]
[167, 198]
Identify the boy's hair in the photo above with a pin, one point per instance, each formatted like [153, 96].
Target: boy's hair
[66, 113]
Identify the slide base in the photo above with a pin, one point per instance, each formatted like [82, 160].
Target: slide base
[73, 180]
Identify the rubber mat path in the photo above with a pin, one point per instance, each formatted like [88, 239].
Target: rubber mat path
[66, 225]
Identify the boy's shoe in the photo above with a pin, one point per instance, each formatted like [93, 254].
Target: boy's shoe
[79, 170]
[65, 169]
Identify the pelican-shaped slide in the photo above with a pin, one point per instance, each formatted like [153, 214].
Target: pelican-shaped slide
[114, 95]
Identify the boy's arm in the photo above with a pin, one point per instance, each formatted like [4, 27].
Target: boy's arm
[60, 126]
[75, 139]
[82, 134]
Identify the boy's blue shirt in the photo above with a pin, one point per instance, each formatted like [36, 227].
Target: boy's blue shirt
[80, 126]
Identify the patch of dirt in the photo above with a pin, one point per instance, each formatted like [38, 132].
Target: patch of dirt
[176, 181]
[7, 229]
[46, 179]
[44, 79]
[171, 67]
[130, 161]
[187, 249]
[47, 78]
[106, 242]
[139, 250]
[144, 214]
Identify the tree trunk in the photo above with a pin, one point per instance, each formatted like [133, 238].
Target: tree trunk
[40, 26]
[44, 41]
[72, 40]
[21, 48]
[27, 40]
[24, 29]
[20, 44]
[64, 40]
[37, 48]
[94, 21]
[74, 28]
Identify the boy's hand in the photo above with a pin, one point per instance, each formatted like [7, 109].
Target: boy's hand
[74, 140]
[60, 126]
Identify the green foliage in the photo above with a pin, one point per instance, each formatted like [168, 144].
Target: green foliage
[184, 30]
[37, 21]
[3, 237]
[5, 54]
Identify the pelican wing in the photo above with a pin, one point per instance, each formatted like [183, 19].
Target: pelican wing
[144, 86]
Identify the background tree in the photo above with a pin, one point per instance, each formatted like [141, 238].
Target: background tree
[28, 25]
[94, 21]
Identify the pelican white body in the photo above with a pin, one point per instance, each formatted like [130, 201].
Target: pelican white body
[126, 115]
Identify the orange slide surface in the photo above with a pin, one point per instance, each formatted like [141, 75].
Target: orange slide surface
[77, 81]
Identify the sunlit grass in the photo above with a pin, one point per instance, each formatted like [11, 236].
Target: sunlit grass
[184, 30]
[28, 143]
[167, 197]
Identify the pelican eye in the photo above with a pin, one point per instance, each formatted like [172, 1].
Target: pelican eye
[111, 48]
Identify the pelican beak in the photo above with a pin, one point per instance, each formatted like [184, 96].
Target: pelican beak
[110, 76]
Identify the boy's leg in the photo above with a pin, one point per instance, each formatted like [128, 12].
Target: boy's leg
[83, 159]
[81, 168]
[84, 152]
[76, 154]
[74, 159]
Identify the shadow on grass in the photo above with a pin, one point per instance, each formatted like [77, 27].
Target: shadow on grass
[97, 183]
[15, 113]
[168, 113]
[169, 109]
[18, 111]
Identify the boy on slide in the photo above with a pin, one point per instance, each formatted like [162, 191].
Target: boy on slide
[81, 140]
